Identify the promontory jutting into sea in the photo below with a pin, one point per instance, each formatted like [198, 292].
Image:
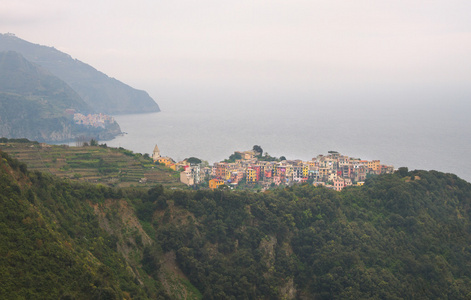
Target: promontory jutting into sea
[251, 167]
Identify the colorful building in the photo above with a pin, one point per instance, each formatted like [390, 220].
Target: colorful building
[222, 170]
[215, 183]
[167, 161]
[341, 170]
[251, 176]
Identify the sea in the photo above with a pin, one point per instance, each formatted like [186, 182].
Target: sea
[426, 136]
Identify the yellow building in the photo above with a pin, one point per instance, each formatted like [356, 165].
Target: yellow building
[167, 161]
[251, 176]
[289, 170]
[305, 170]
[215, 183]
[374, 165]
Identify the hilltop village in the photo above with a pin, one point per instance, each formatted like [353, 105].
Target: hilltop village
[334, 170]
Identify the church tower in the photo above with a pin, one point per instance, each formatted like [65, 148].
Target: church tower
[156, 153]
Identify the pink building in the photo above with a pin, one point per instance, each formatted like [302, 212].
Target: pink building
[339, 184]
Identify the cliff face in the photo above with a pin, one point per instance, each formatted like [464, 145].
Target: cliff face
[102, 93]
[37, 105]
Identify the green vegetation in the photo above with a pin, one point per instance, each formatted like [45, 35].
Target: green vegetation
[392, 238]
[258, 150]
[402, 235]
[235, 156]
[267, 157]
[194, 160]
[95, 164]
[51, 245]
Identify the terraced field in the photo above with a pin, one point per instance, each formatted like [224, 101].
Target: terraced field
[97, 164]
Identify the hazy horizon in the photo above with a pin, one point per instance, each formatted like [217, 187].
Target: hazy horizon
[315, 51]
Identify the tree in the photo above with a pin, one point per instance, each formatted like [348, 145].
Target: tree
[193, 160]
[257, 149]
[80, 141]
[93, 142]
[403, 171]
[234, 157]
[282, 158]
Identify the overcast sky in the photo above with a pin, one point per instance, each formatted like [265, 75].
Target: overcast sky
[312, 49]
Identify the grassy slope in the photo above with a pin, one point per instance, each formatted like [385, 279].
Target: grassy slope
[110, 166]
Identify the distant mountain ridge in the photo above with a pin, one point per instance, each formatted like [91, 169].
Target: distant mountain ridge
[36, 105]
[21, 77]
[102, 93]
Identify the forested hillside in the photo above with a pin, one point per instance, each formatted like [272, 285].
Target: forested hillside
[404, 235]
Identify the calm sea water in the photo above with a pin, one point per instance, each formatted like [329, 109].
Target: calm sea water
[432, 137]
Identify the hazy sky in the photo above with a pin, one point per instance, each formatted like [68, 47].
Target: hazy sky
[254, 49]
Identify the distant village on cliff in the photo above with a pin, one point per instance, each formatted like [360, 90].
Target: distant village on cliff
[334, 171]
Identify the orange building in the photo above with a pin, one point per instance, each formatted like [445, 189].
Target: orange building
[215, 183]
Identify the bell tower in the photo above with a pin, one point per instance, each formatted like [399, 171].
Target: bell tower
[156, 153]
